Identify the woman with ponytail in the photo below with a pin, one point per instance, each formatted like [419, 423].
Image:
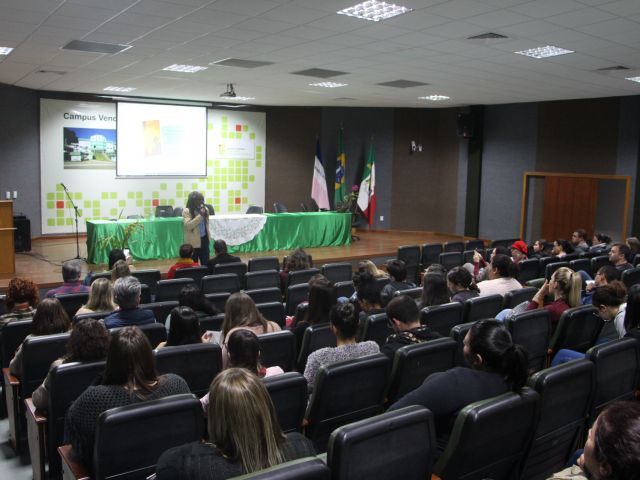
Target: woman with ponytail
[565, 286]
[497, 366]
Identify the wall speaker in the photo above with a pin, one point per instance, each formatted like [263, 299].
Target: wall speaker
[22, 234]
[466, 125]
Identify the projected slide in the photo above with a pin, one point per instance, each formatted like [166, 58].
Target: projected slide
[161, 140]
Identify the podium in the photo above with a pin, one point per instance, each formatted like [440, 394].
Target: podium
[7, 255]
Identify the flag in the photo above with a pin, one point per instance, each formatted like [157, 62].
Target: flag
[367, 192]
[340, 188]
[319, 183]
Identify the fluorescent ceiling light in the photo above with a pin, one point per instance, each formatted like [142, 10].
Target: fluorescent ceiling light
[242, 99]
[544, 52]
[328, 84]
[374, 10]
[184, 68]
[5, 50]
[634, 79]
[434, 98]
[118, 89]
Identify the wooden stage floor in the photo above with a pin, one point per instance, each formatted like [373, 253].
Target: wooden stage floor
[42, 264]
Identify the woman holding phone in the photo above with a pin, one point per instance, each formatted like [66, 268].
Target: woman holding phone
[195, 219]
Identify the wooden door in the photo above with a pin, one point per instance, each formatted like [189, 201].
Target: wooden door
[569, 203]
[7, 255]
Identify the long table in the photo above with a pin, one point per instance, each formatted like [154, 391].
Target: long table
[160, 238]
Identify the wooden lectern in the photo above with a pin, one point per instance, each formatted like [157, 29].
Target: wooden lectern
[7, 251]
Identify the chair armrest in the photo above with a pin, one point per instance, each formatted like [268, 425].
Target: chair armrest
[9, 379]
[36, 437]
[36, 415]
[71, 468]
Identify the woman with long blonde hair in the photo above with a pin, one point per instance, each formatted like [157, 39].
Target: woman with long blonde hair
[565, 285]
[100, 298]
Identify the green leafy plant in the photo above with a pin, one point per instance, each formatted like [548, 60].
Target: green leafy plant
[121, 238]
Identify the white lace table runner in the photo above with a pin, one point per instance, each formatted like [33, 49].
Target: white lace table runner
[236, 229]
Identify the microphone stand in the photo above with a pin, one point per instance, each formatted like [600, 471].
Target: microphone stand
[75, 209]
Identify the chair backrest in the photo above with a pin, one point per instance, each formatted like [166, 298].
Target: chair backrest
[265, 295]
[382, 282]
[273, 311]
[145, 293]
[450, 260]
[262, 279]
[410, 255]
[581, 264]
[565, 398]
[552, 267]
[98, 275]
[308, 468]
[337, 272]
[158, 425]
[531, 330]
[344, 289]
[238, 268]
[210, 209]
[504, 242]
[547, 261]
[177, 212]
[278, 349]
[194, 273]
[442, 318]
[578, 329]
[599, 261]
[198, 364]
[295, 295]
[376, 328]
[279, 207]
[455, 246]
[170, 289]
[84, 316]
[149, 277]
[467, 255]
[255, 209]
[218, 300]
[38, 353]
[516, 297]
[211, 322]
[474, 245]
[71, 302]
[161, 310]
[164, 211]
[155, 332]
[412, 364]
[482, 307]
[458, 333]
[13, 334]
[289, 396]
[66, 382]
[617, 371]
[301, 276]
[345, 392]
[490, 437]
[631, 277]
[220, 283]
[414, 293]
[314, 338]
[528, 270]
[263, 263]
[360, 450]
[430, 254]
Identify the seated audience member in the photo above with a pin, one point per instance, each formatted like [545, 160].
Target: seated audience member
[368, 298]
[404, 317]
[461, 285]
[244, 434]
[344, 325]
[600, 242]
[191, 296]
[88, 342]
[244, 352]
[21, 301]
[631, 322]
[297, 260]
[618, 256]
[71, 272]
[497, 366]
[434, 290]
[561, 248]
[540, 249]
[322, 297]
[114, 255]
[127, 293]
[100, 298]
[185, 261]
[120, 269]
[565, 286]
[184, 328]
[480, 268]
[579, 240]
[612, 450]
[129, 377]
[369, 267]
[501, 273]
[398, 273]
[634, 245]
[50, 318]
[604, 276]
[519, 251]
[222, 256]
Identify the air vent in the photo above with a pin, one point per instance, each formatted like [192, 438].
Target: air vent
[319, 73]
[95, 47]
[487, 36]
[240, 63]
[612, 69]
[52, 72]
[402, 84]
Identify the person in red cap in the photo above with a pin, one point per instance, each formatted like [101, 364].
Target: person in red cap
[519, 251]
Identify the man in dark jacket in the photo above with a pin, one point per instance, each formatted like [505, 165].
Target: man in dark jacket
[127, 292]
[220, 248]
[404, 316]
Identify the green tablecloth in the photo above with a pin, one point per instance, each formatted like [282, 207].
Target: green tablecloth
[161, 238]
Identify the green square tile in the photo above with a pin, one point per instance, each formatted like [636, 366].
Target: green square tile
[216, 163]
[138, 203]
[216, 192]
[209, 126]
[258, 148]
[147, 211]
[223, 171]
[252, 178]
[209, 186]
[147, 203]
[258, 163]
[238, 193]
[51, 222]
[51, 196]
[59, 188]
[209, 163]
[59, 213]
[237, 177]
[179, 186]
[122, 203]
[238, 135]
[245, 185]
[68, 221]
[252, 136]
[245, 128]
[60, 222]
[155, 194]
[113, 212]
[51, 204]
[113, 195]
[131, 195]
[96, 212]
[77, 195]
[244, 199]
[138, 194]
[258, 156]
[194, 186]
[245, 171]
[224, 186]
[59, 196]
[163, 186]
[68, 205]
[87, 204]
[96, 204]
[225, 134]
[224, 119]
[105, 196]
[245, 163]
[80, 212]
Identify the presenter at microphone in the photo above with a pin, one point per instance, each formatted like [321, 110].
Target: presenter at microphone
[195, 219]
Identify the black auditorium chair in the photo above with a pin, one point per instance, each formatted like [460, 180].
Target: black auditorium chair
[458, 333]
[161, 310]
[412, 364]
[158, 425]
[581, 264]
[344, 289]
[410, 255]
[164, 211]
[177, 212]
[631, 277]
[145, 293]
[279, 207]
[345, 392]
[450, 260]
[599, 261]
[360, 450]
[515, 297]
[96, 316]
[308, 468]
[262, 279]
[273, 311]
[210, 209]
[194, 273]
[382, 282]
[337, 272]
[220, 283]
[414, 293]
[170, 289]
[211, 323]
[531, 330]
[263, 263]
[565, 397]
[98, 275]
[295, 295]
[478, 308]
[578, 329]
[255, 209]
[455, 246]
[197, 364]
[551, 268]
[442, 318]
[528, 270]
[504, 242]
[376, 328]
[12, 335]
[543, 262]
[238, 268]
[218, 300]
[315, 337]
[149, 277]
[278, 349]
[155, 332]
[430, 254]
[71, 302]
[289, 395]
[467, 255]
[265, 295]
[301, 276]
[490, 438]
[474, 245]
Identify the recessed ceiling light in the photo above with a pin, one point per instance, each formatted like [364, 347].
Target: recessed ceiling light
[5, 50]
[374, 10]
[111, 88]
[328, 84]
[634, 79]
[184, 68]
[434, 98]
[544, 52]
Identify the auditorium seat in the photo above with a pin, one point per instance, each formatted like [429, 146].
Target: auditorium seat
[71, 302]
[467, 255]
[474, 245]
[478, 308]
[210, 209]
[194, 273]
[577, 329]
[531, 330]
[218, 300]
[289, 396]
[96, 316]
[149, 277]
[145, 293]
[515, 297]
[393, 445]
[279, 207]
[599, 261]
[263, 263]
[528, 270]
[345, 392]
[273, 311]
[155, 332]
[221, 283]
[314, 338]
[455, 246]
[237, 268]
[211, 323]
[265, 295]
[410, 255]
[255, 209]
[551, 268]
[262, 279]
[337, 272]
[164, 211]
[12, 335]
[376, 328]
[161, 310]
[450, 260]
[197, 364]
[344, 289]
[442, 318]
[414, 293]
[295, 295]
[504, 242]
[98, 275]
[177, 212]
[490, 437]
[301, 276]
[308, 468]
[458, 333]
[543, 262]
[278, 349]
[170, 289]
[631, 277]
[582, 264]
[430, 254]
